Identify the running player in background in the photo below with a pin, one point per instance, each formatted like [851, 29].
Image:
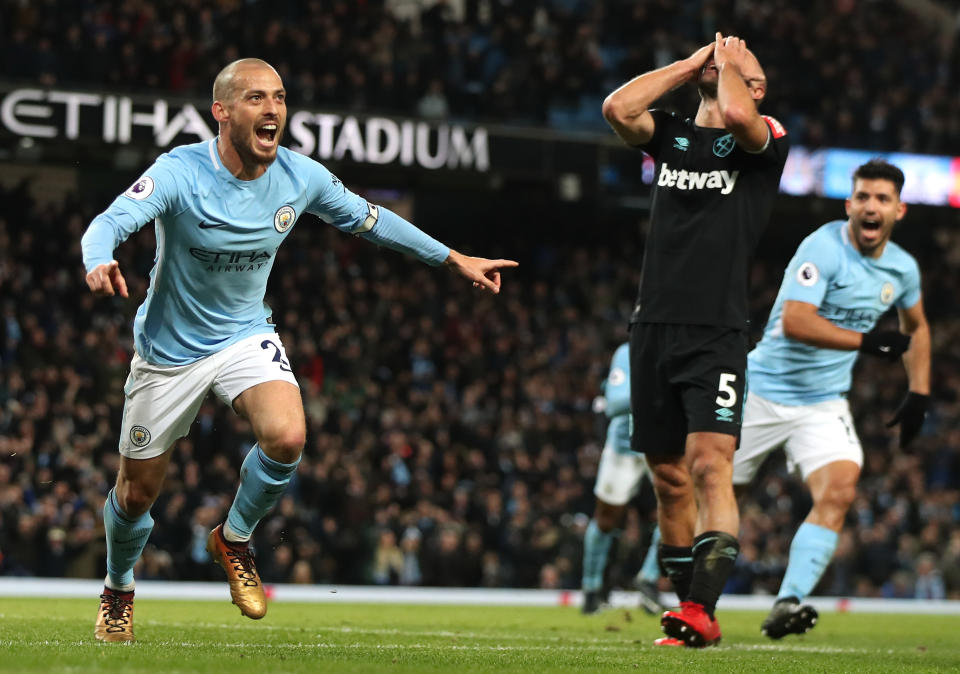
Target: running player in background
[222, 208]
[843, 277]
[716, 178]
[619, 475]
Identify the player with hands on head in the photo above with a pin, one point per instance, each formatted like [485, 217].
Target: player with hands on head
[842, 279]
[716, 176]
[222, 208]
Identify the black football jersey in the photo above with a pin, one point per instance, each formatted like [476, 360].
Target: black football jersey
[711, 202]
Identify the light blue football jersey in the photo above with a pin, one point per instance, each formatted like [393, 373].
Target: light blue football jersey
[851, 290]
[217, 239]
[616, 390]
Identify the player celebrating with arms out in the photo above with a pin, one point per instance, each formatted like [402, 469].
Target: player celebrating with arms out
[716, 177]
[222, 208]
[843, 277]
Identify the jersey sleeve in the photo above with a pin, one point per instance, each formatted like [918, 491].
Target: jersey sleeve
[808, 275]
[348, 212]
[153, 195]
[330, 200]
[662, 121]
[911, 286]
[616, 389]
[778, 143]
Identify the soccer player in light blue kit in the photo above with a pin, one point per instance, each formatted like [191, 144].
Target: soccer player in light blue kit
[843, 277]
[619, 475]
[222, 208]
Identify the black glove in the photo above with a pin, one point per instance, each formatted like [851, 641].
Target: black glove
[910, 415]
[888, 344]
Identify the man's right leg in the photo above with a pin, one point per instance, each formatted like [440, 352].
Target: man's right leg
[126, 518]
[160, 404]
[596, 548]
[677, 515]
[833, 488]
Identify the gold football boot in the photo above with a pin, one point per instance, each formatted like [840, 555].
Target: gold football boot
[246, 590]
[115, 617]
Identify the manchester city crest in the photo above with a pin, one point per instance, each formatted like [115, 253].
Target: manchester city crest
[886, 293]
[284, 218]
[724, 145]
[140, 436]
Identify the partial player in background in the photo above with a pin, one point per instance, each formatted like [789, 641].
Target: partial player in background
[619, 475]
[841, 280]
[222, 208]
[716, 178]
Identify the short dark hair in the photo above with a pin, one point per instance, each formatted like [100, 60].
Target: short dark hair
[878, 169]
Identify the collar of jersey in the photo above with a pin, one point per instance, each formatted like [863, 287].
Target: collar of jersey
[222, 171]
[845, 236]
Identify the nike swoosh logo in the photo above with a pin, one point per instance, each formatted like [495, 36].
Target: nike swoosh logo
[211, 225]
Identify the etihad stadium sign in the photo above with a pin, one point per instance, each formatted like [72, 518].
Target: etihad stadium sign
[40, 114]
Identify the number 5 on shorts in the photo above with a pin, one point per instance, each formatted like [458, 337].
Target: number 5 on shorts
[728, 395]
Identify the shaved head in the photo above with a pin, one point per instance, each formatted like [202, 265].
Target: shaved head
[226, 85]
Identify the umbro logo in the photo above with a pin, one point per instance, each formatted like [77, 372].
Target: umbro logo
[725, 414]
[681, 143]
[729, 552]
[211, 225]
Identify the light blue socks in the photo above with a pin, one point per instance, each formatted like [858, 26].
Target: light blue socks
[126, 538]
[650, 571]
[810, 552]
[262, 483]
[596, 547]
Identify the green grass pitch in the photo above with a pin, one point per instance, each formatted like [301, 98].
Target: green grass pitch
[56, 635]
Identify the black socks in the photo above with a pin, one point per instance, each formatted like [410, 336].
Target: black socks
[714, 556]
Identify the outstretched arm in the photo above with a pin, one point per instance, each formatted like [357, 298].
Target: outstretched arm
[484, 273]
[626, 109]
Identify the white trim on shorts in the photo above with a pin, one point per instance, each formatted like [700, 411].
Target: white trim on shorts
[162, 401]
[812, 436]
[619, 475]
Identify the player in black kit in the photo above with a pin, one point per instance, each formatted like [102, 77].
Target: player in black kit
[716, 177]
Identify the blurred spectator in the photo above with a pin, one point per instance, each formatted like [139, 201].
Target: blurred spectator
[929, 583]
[536, 62]
[459, 423]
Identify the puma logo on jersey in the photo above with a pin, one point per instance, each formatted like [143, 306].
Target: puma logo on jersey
[696, 180]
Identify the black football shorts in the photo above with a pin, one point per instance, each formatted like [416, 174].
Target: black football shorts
[684, 379]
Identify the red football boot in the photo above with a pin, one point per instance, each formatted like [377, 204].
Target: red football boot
[691, 625]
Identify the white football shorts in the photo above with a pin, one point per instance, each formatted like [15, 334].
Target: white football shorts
[812, 436]
[163, 400]
[619, 476]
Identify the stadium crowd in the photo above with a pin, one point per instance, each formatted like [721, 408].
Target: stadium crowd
[451, 437]
[541, 62]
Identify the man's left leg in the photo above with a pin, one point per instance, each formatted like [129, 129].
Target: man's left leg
[715, 548]
[833, 488]
[649, 575]
[275, 412]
